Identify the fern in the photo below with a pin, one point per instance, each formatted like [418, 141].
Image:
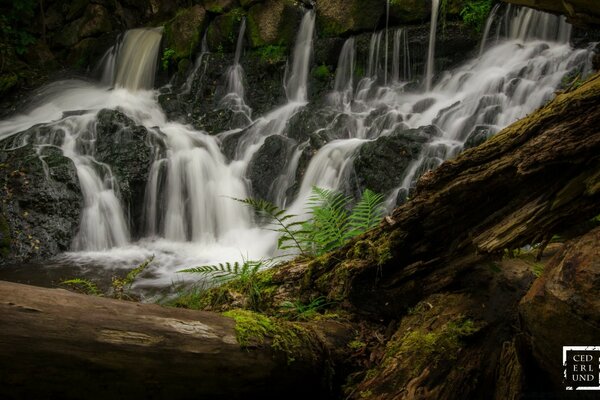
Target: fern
[287, 225]
[244, 273]
[366, 214]
[329, 220]
[330, 224]
[227, 271]
[121, 285]
[84, 286]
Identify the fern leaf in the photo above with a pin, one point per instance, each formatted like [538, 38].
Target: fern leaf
[366, 214]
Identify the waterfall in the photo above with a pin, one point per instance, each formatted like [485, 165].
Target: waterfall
[344, 75]
[136, 60]
[374, 62]
[387, 22]
[435, 6]
[187, 86]
[401, 57]
[189, 217]
[296, 87]
[234, 98]
[488, 27]
[529, 24]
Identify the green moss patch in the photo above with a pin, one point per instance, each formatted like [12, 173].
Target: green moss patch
[255, 330]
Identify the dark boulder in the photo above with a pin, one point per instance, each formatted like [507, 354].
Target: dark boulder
[126, 148]
[478, 135]
[563, 306]
[40, 202]
[267, 165]
[380, 165]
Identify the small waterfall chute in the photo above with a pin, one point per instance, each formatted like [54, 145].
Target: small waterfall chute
[296, 86]
[136, 59]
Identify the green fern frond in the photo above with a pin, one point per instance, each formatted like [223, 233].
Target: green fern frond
[284, 223]
[83, 285]
[329, 219]
[366, 214]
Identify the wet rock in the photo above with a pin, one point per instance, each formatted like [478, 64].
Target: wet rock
[343, 126]
[410, 11]
[267, 164]
[307, 121]
[563, 305]
[40, 202]
[220, 6]
[183, 33]
[423, 105]
[273, 22]
[478, 135]
[263, 88]
[229, 144]
[341, 17]
[380, 165]
[172, 106]
[95, 21]
[125, 147]
[222, 32]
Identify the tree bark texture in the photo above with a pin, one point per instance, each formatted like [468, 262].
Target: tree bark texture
[62, 345]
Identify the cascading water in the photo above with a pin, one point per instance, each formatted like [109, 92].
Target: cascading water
[234, 88]
[479, 98]
[344, 76]
[296, 87]
[133, 71]
[435, 6]
[401, 68]
[188, 216]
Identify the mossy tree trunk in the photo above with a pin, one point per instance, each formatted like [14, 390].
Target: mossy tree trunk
[59, 344]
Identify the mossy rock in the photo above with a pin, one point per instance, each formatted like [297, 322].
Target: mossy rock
[8, 81]
[4, 237]
[95, 21]
[341, 17]
[223, 31]
[183, 33]
[410, 11]
[249, 3]
[219, 6]
[274, 22]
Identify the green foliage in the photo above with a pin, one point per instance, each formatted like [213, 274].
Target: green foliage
[538, 269]
[246, 277]
[330, 225]
[432, 347]
[228, 271]
[327, 228]
[299, 311]
[475, 12]
[366, 214]
[280, 221]
[83, 286]
[167, 56]
[272, 54]
[357, 345]
[253, 330]
[14, 21]
[322, 72]
[122, 285]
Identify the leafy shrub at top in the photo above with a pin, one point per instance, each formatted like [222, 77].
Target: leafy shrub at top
[475, 12]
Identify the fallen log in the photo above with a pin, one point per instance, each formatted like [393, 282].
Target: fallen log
[63, 345]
